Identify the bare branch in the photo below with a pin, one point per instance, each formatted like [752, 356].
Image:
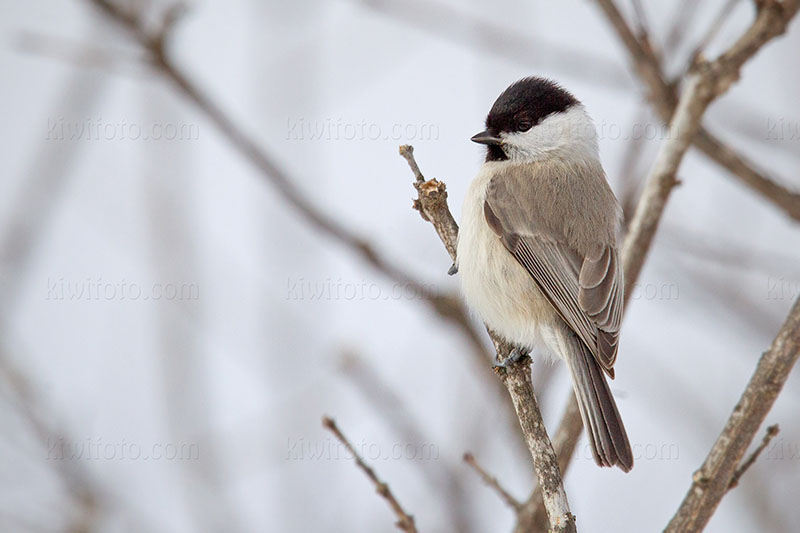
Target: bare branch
[706, 82]
[80, 54]
[432, 204]
[434, 209]
[714, 478]
[533, 516]
[642, 27]
[405, 522]
[747, 173]
[492, 482]
[772, 431]
[683, 16]
[517, 379]
[722, 16]
[447, 306]
[89, 498]
[448, 479]
[662, 94]
[155, 43]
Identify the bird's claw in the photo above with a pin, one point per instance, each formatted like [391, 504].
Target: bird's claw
[453, 270]
[515, 356]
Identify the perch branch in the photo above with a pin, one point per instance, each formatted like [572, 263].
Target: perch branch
[405, 522]
[432, 205]
[532, 515]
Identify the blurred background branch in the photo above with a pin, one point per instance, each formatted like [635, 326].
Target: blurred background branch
[663, 96]
[81, 211]
[719, 471]
[405, 522]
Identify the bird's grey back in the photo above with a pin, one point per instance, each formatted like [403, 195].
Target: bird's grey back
[562, 200]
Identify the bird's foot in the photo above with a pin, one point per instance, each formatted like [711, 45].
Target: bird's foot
[515, 356]
[453, 270]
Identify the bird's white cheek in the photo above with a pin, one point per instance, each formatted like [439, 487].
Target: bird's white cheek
[572, 133]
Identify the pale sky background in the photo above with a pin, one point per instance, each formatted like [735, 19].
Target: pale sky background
[242, 369]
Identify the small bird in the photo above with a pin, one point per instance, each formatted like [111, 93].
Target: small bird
[537, 248]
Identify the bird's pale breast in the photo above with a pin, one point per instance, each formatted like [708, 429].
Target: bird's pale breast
[495, 285]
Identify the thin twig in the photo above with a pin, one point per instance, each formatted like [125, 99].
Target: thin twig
[89, 499]
[683, 15]
[405, 521]
[772, 431]
[492, 482]
[435, 209]
[712, 481]
[407, 151]
[447, 479]
[80, 54]
[722, 16]
[93, 500]
[642, 26]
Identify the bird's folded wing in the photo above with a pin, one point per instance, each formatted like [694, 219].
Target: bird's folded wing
[585, 290]
[601, 298]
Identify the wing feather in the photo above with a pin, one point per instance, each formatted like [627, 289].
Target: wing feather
[585, 289]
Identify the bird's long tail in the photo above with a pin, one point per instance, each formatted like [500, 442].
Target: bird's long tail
[609, 441]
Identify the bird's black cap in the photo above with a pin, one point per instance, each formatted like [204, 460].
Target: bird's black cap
[523, 105]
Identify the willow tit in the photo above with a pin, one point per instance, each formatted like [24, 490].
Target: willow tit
[537, 248]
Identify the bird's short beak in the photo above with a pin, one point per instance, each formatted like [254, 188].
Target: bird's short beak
[486, 137]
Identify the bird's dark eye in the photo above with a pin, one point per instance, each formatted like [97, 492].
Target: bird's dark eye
[524, 125]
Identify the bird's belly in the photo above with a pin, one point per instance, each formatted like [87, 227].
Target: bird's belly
[500, 290]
